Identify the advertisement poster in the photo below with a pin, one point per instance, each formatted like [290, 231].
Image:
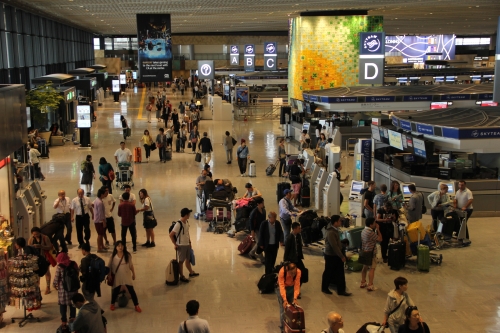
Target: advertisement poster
[242, 95]
[417, 49]
[83, 114]
[155, 47]
[115, 86]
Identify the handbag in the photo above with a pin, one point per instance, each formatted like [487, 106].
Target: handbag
[192, 258]
[189, 145]
[194, 140]
[233, 141]
[110, 279]
[152, 147]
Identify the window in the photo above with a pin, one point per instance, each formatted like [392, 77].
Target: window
[473, 41]
[108, 43]
[121, 44]
[97, 43]
[133, 42]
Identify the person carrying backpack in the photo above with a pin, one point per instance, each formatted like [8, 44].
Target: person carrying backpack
[93, 270]
[66, 286]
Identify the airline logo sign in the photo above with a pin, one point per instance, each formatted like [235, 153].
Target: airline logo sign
[371, 57]
[249, 58]
[234, 55]
[270, 56]
[206, 70]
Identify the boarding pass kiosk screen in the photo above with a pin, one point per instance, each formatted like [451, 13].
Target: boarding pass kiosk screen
[329, 180]
[25, 201]
[356, 187]
[406, 190]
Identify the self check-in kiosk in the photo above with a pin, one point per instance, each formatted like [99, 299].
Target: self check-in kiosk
[318, 188]
[25, 217]
[308, 156]
[35, 204]
[314, 175]
[331, 195]
[406, 191]
[356, 201]
[333, 156]
[40, 194]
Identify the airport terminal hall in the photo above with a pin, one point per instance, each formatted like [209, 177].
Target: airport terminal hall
[260, 166]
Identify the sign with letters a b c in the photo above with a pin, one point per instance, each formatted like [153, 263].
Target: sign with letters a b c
[234, 55]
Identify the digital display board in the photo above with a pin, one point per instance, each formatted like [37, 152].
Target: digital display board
[417, 49]
[419, 147]
[123, 79]
[83, 116]
[115, 86]
[395, 140]
[375, 133]
[134, 75]
[439, 105]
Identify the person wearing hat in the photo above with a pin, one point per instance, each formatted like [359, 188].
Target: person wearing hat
[287, 210]
[252, 192]
[243, 155]
[182, 243]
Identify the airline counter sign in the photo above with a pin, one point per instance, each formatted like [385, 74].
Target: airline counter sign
[234, 55]
[371, 57]
[249, 58]
[270, 56]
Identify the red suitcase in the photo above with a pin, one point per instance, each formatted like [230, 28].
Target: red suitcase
[137, 155]
[246, 245]
[294, 321]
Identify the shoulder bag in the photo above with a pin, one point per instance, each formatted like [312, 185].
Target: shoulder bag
[393, 310]
[110, 279]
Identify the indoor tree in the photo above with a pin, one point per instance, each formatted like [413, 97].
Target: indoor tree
[41, 100]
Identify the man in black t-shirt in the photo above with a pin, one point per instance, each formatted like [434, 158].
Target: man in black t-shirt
[368, 202]
[385, 218]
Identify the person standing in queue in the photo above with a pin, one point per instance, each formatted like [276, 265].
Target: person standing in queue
[334, 259]
[62, 205]
[368, 202]
[149, 221]
[369, 238]
[257, 216]
[228, 147]
[386, 215]
[282, 157]
[338, 168]
[287, 210]
[415, 204]
[270, 236]
[293, 249]
[463, 201]
[80, 209]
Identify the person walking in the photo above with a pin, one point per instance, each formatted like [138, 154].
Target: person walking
[149, 220]
[270, 237]
[182, 87]
[395, 196]
[175, 120]
[397, 302]
[415, 204]
[104, 169]
[257, 216]
[124, 127]
[182, 137]
[42, 245]
[161, 144]
[109, 204]
[149, 110]
[413, 322]
[193, 323]
[205, 146]
[62, 205]
[63, 296]
[80, 209]
[182, 243]
[100, 220]
[120, 264]
[182, 110]
[89, 318]
[334, 259]
[287, 210]
[122, 154]
[127, 212]
[147, 141]
[369, 238]
[194, 136]
[288, 289]
[91, 283]
[282, 157]
[34, 155]
[243, 156]
[229, 142]
[88, 174]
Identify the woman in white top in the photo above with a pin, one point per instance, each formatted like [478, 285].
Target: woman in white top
[120, 264]
[34, 155]
[149, 221]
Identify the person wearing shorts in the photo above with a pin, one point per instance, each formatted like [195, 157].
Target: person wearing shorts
[182, 243]
[100, 220]
[294, 174]
[369, 238]
[109, 204]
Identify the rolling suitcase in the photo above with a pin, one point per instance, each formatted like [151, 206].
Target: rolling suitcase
[246, 245]
[293, 319]
[240, 224]
[397, 255]
[423, 258]
[128, 132]
[137, 155]
[178, 145]
[267, 283]
[197, 158]
[43, 148]
[271, 168]
[168, 154]
[305, 196]
[280, 188]
[252, 172]
[172, 273]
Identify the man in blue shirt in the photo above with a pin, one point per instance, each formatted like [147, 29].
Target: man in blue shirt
[287, 209]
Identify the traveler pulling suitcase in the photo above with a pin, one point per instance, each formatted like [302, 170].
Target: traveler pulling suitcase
[271, 168]
[252, 172]
[137, 155]
[294, 320]
[246, 245]
[267, 283]
[280, 188]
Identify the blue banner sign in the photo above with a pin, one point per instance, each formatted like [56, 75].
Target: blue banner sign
[395, 121]
[313, 98]
[366, 150]
[421, 98]
[479, 133]
[487, 97]
[425, 129]
[406, 125]
[455, 97]
[339, 99]
[371, 99]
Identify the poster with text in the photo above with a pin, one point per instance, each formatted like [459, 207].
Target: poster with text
[154, 36]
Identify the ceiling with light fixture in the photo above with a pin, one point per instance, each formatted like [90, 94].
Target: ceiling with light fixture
[117, 17]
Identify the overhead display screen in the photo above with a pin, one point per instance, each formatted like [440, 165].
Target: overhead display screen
[417, 49]
[123, 79]
[419, 147]
[395, 140]
[439, 105]
[115, 86]
[83, 114]
[375, 133]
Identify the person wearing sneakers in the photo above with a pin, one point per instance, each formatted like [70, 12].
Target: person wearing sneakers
[120, 264]
[182, 243]
[243, 156]
[369, 238]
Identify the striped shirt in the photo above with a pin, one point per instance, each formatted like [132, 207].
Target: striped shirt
[368, 239]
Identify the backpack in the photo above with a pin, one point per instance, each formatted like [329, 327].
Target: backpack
[83, 166]
[71, 280]
[97, 269]
[172, 228]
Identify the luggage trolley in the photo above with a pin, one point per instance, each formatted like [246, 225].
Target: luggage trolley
[124, 175]
[220, 222]
[434, 257]
[447, 235]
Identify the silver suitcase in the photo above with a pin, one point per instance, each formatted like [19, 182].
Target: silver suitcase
[251, 170]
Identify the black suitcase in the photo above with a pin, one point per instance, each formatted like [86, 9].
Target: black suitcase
[177, 145]
[168, 155]
[280, 188]
[271, 168]
[306, 219]
[451, 223]
[267, 283]
[43, 148]
[397, 255]
[305, 196]
[240, 224]
[197, 158]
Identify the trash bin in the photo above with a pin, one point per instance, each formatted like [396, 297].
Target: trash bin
[71, 127]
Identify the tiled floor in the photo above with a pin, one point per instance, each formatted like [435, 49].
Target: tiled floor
[459, 296]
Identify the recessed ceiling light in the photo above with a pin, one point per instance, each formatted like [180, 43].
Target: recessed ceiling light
[81, 6]
[102, 20]
[430, 13]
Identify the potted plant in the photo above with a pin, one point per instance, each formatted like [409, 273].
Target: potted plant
[42, 100]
